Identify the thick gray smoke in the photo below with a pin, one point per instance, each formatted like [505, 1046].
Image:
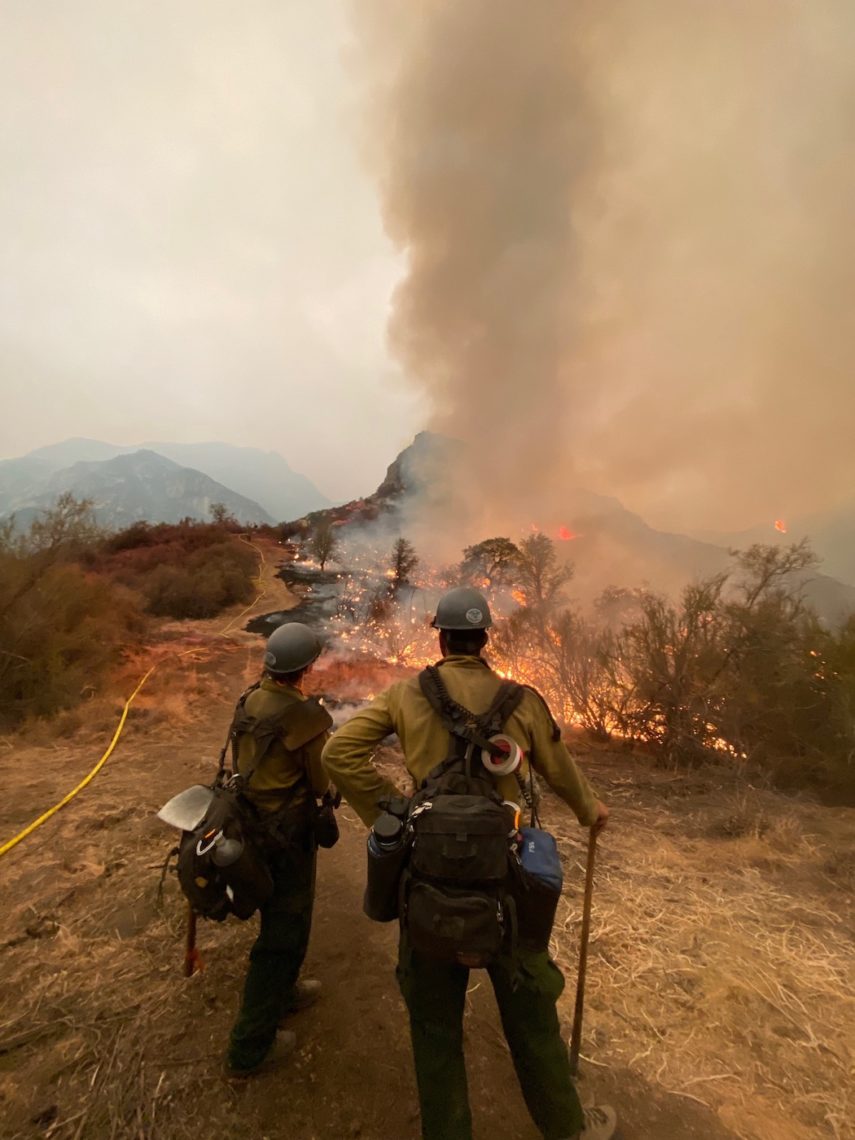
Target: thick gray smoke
[630, 257]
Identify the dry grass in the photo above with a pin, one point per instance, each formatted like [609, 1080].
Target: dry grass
[719, 971]
[721, 966]
[103, 1036]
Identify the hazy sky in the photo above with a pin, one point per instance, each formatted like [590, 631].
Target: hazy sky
[620, 246]
[190, 249]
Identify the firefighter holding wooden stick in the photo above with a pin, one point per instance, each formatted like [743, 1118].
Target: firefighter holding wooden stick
[466, 897]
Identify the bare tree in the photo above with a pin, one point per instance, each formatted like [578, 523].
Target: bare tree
[222, 516]
[65, 529]
[324, 542]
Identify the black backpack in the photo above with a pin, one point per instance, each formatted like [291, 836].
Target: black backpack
[221, 868]
[222, 863]
[456, 900]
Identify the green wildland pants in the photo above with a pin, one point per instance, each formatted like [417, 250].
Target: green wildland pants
[526, 988]
[277, 954]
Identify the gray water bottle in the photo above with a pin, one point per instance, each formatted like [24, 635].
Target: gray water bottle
[387, 854]
[226, 851]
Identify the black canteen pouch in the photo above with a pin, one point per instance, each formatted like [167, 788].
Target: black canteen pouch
[536, 904]
[326, 825]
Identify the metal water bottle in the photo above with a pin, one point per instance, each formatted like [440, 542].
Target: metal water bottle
[387, 853]
[226, 851]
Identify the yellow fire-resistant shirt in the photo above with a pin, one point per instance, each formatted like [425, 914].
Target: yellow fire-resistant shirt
[404, 709]
[284, 776]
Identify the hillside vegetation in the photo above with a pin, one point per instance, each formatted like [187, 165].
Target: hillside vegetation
[738, 668]
[73, 597]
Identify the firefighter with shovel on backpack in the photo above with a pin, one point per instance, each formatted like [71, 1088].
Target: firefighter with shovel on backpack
[464, 900]
[279, 734]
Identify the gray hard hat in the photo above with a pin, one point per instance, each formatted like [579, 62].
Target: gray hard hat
[462, 608]
[291, 647]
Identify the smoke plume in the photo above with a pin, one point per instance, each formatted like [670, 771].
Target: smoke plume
[629, 256]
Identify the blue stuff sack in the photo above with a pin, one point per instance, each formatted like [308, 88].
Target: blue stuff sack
[539, 857]
[540, 879]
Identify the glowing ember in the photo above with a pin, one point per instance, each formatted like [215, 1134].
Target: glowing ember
[566, 534]
[780, 526]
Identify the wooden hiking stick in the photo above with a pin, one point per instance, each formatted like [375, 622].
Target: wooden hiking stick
[576, 1038]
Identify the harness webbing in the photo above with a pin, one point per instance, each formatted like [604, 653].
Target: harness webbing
[264, 731]
[466, 727]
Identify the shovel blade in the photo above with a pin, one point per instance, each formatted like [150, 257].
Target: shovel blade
[187, 810]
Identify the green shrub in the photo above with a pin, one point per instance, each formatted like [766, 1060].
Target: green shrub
[70, 597]
[60, 625]
[202, 585]
[184, 570]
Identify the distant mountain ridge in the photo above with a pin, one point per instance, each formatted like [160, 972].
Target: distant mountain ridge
[131, 488]
[262, 479]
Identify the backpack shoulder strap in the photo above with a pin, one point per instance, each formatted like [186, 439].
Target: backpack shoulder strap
[295, 724]
[507, 698]
[232, 733]
[434, 690]
[462, 722]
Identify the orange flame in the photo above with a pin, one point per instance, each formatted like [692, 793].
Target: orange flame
[780, 526]
[566, 534]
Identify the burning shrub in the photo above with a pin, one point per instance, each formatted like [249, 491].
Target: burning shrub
[740, 665]
[743, 666]
[589, 672]
[385, 621]
[671, 658]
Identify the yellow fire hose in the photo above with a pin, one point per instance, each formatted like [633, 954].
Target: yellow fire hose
[86, 779]
[30, 828]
